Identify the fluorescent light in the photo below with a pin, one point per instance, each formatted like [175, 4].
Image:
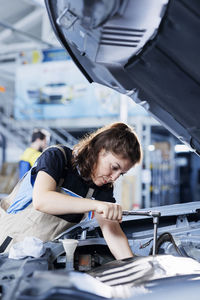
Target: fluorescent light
[39, 2]
[181, 148]
[151, 147]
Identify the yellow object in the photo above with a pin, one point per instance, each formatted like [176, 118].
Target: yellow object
[30, 155]
[36, 57]
[2, 89]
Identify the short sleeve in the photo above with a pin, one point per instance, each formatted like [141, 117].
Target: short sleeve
[112, 200]
[51, 161]
[104, 193]
[110, 196]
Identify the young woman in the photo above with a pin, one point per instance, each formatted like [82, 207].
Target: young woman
[95, 163]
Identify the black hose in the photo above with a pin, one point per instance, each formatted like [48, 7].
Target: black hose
[167, 237]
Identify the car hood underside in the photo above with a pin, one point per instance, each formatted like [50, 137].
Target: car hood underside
[148, 51]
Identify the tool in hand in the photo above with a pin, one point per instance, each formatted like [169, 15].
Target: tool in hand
[154, 214]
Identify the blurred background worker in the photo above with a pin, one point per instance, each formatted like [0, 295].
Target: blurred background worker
[39, 141]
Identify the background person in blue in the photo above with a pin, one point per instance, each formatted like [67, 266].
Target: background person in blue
[39, 141]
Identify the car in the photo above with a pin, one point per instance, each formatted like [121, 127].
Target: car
[54, 93]
[166, 243]
[148, 50]
[60, 92]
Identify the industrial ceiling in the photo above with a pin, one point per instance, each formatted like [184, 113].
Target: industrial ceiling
[24, 25]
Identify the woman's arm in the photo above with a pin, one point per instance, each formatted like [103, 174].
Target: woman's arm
[48, 200]
[115, 238]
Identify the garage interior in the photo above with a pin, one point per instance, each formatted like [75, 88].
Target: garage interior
[170, 171]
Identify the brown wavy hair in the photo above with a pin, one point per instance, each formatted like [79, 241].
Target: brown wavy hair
[118, 138]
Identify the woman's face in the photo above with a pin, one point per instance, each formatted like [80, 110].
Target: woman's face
[109, 167]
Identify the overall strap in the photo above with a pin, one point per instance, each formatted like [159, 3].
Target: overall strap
[65, 157]
[90, 192]
[61, 149]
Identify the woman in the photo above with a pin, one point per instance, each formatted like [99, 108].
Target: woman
[95, 162]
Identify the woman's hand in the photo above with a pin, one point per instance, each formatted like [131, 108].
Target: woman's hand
[110, 211]
[47, 199]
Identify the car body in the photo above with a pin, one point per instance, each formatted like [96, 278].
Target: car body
[54, 93]
[148, 50]
[173, 271]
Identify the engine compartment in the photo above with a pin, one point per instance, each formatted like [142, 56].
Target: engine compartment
[47, 277]
[176, 235]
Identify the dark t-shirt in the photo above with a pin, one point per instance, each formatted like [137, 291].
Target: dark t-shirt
[52, 162]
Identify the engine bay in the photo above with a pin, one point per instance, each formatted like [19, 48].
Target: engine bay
[177, 235]
[96, 272]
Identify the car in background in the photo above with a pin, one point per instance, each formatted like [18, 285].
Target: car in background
[148, 50]
[56, 93]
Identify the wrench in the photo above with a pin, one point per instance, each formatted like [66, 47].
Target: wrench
[154, 214]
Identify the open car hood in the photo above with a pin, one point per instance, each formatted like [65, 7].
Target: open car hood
[148, 50]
